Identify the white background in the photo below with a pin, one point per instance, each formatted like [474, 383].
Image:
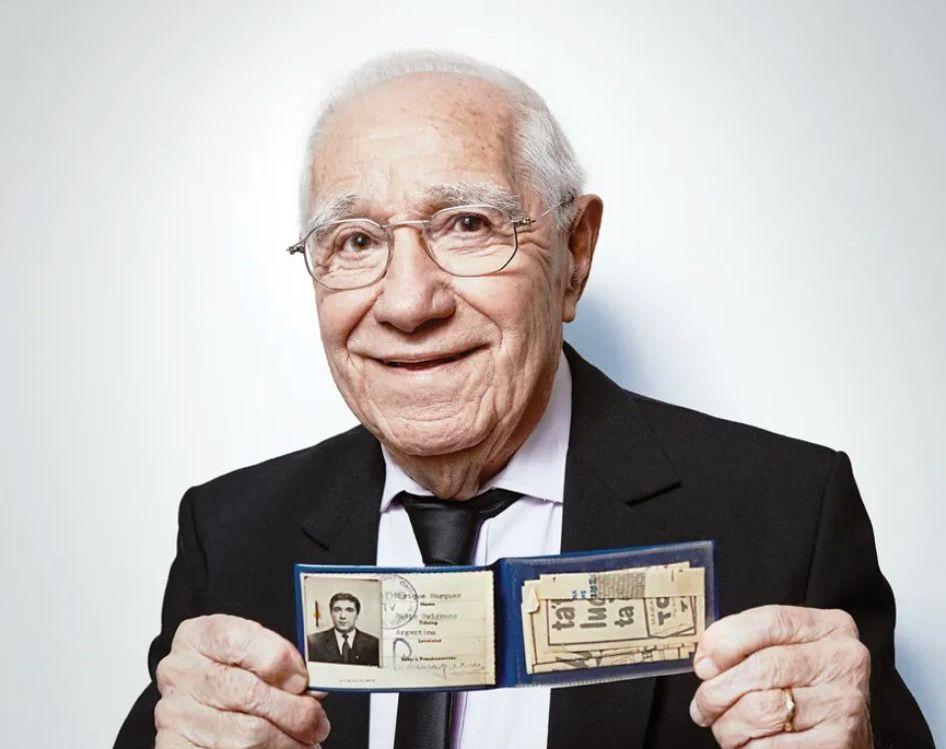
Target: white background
[772, 252]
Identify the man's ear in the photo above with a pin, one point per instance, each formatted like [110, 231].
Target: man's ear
[582, 238]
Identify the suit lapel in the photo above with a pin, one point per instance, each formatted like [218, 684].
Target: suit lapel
[342, 528]
[344, 506]
[614, 462]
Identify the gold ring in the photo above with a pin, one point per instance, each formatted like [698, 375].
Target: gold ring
[788, 725]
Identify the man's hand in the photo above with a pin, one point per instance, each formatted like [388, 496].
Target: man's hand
[746, 660]
[230, 682]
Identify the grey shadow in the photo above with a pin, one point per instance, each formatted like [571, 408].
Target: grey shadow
[595, 336]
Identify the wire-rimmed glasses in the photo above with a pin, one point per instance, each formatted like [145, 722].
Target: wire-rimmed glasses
[466, 240]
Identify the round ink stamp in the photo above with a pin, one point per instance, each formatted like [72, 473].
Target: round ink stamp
[398, 601]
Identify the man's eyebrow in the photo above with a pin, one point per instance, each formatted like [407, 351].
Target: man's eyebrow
[444, 195]
[447, 195]
[333, 209]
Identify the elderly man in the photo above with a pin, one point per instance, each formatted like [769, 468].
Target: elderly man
[449, 240]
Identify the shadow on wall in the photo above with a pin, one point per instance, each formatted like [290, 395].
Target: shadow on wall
[595, 334]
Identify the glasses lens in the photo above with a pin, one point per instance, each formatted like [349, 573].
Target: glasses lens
[346, 254]
[471, 240]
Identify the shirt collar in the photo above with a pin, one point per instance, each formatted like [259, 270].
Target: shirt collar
[537, 469]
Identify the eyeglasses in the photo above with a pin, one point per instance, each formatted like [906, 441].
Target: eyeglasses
[467, 240]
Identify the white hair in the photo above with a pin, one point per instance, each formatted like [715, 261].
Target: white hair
[544, 158]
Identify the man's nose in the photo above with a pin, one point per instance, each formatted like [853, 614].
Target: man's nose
[414, 289]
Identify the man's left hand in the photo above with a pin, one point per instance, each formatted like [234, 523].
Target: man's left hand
[748, 663]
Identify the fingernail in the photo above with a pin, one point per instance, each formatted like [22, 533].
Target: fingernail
[696, 715]
[705, 668]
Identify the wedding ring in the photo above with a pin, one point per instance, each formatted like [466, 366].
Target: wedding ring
[788, 725]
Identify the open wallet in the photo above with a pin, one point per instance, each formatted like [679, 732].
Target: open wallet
[562, 620]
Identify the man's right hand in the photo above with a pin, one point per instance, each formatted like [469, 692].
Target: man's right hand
[230, 682]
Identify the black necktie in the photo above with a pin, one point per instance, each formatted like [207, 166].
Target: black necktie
[446, 532]
[346, 648]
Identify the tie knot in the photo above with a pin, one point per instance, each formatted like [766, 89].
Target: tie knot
[446, 529]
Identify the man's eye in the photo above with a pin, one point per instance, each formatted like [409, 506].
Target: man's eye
[357, 241]
[469, 222]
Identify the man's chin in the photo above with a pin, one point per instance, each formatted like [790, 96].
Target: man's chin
[428, 439]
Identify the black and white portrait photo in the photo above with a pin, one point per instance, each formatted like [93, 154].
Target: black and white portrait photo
[343, 623]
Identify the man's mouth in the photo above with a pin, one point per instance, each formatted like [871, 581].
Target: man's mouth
[422, 362]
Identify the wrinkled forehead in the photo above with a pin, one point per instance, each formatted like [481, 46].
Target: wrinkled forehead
[393, 145]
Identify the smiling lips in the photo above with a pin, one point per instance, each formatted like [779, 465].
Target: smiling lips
[424, 362]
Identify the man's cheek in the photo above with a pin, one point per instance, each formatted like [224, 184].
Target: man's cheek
[340, 312]
[333, 328]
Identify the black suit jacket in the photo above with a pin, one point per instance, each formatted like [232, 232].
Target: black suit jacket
[323, 648]
[788, 522]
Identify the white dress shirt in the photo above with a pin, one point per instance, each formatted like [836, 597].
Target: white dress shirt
[531, 526]
[340, 639]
